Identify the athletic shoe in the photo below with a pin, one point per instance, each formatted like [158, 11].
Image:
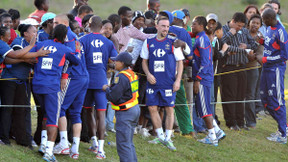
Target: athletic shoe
[59, 149]
[100, 155]
[74, 155]
[42, 149]
[49, 158]
[279, 139]
[105, 134]
[112, 130]
[33, 143]
[170, 145]
[208, 140]
[93, 149]
[157, 141]
[135, 131]
[277, 133]
[144, 132]
[220, 135]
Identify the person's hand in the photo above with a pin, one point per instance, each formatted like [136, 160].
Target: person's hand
[176, 86]
[42, 52]
[31, 61]
[78, 45]
[196, 86]
[151, 79]
[242, 46]
[33, 41]
[63, 84]
[179, 43]
[259, 59]
[251, 56]
[105, 87]
[232, 31]
[130, 49]
[225, 47]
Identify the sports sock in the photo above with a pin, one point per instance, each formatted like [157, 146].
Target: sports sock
[215, 125]
[168, 134]
[94, 141]
[101, 145]
[44, 137]
[160, 133]
[49, 148]
[75, 145]
[212, 134]
[63, 139]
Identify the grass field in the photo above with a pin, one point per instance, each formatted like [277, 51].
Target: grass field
[237, 146]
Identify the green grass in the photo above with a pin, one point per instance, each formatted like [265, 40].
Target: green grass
[237, 146]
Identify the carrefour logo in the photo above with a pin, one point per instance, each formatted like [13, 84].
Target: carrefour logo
[159, 53]
[97, 43]
[52, 49]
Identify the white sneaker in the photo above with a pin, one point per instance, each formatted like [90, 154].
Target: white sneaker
[278, 138]
[220, 135]
[144, 132]
[59, 149]
[135, 131]
[101, 155]
[277, 133]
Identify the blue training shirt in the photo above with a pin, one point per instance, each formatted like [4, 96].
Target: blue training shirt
[42, 35]
[20, 70]
[202, 63]
[73, 70]
[48, 70]
[275, 47]
[97, 49]
[182, 34]
[4, 50]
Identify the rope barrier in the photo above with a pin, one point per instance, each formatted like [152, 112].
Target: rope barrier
[214, 103]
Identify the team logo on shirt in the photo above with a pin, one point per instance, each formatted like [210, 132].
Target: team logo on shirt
[97, 57]
[47, 63]
[167, 46]
[97, 43]
[159, 66]
[52, 49]
[152, 46]
[150, 91]
[159, 52]
[168, 92]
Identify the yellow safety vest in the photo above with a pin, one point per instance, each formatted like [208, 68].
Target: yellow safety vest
[133, 78]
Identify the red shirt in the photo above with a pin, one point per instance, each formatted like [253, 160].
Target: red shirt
[37, 15]
[13, 35]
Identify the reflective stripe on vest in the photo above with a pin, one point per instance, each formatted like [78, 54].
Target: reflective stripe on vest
[133, 78]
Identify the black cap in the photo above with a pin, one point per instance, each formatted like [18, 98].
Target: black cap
[136, 15]
[186, 12]
[124, 57]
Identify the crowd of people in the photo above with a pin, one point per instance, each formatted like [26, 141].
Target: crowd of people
[150, 70]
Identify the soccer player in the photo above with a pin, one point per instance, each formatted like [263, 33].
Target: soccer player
[161, 60]
[46, 83]
[202, 75]
[272, 79]
[97, 49]
[73, 85]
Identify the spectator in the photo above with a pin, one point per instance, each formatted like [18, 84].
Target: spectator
[83, 11]
[234, 84]
[6, 20]
[276, 7]
[47, 26]
[15, 15]
[153, 5]
[187, 20]
[42, 6]
[263, 28]
[77, 5]
[250, 10]
[254, 24]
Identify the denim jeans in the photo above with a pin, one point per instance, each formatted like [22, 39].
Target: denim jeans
[109, 117]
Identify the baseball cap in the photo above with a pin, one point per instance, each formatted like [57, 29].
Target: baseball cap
[186, 12]
[178, 14]
[47, 16]
[29, 21]
[137, 14]
[123, 57]
[212, 16]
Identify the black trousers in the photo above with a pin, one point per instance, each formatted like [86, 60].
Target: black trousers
[14, 93]
[233, 89]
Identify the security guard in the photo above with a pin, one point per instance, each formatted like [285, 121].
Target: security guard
[123, 95]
